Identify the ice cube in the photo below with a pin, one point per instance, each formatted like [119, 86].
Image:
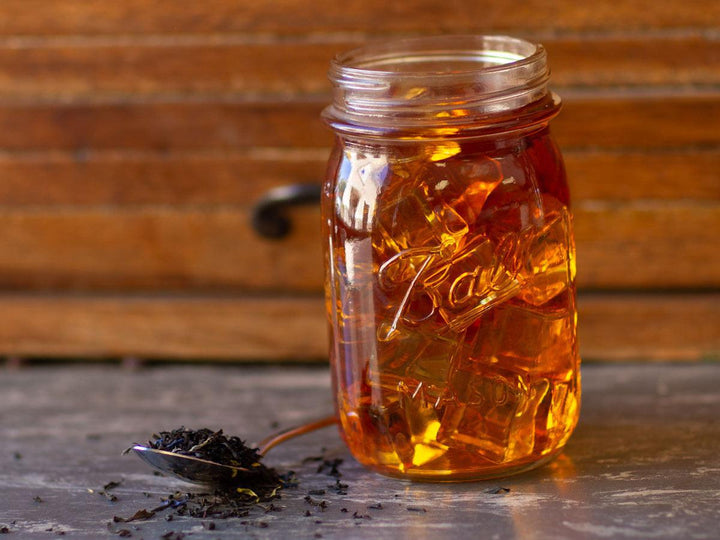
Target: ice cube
[418, 422]
[548, 256]
[398, 417]
[524, 338]
[563, 400]
[474, 280]
[492, 412]
[458, 285]
[468, 182]
[360, 178]
[414, 220]
[421, 355]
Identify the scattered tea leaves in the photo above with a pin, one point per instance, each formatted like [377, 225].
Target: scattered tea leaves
[172, 535]
[498, 490]
[322, 505]
[258, 524]
[206, 444]
[140, 515]
[357, 515]
[338, 487]
[109, 496]
[330, 467]
[261, 482]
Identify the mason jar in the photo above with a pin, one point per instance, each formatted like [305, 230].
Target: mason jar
[450, 261]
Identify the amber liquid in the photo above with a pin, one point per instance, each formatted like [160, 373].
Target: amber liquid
[451, 299]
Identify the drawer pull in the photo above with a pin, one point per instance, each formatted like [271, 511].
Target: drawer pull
[269, 217]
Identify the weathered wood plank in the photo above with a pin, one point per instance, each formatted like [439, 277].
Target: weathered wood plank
[654, 120]
[631, 175]
[633, 60]
[299, 16]
[150, 327]
[90, 67]
[162, 126]
[642, 462]
[649, 245]
[123, 178]
[132, 178]
[615, 119]
[644, 327]
[156, 248]
[612, 327]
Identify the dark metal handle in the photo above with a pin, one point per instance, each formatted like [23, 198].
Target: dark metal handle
[269, 217]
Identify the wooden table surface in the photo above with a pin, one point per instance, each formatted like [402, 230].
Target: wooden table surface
[643, 463]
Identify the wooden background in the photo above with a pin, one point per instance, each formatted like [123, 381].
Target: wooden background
[136, 136]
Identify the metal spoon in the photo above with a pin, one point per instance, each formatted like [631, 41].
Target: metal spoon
[202, 471]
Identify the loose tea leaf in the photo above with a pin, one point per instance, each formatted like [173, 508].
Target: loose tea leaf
[207, 444]
[240, 500]
[172, 535]
[216, 447]
[498, 490]
[332, 465]
[137, 516]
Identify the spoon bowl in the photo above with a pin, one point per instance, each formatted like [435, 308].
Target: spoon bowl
[201, 471]
[190, 468]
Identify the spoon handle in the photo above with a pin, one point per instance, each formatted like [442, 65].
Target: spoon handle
[276, 438]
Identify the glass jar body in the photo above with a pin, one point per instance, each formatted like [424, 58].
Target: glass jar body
[450, 286]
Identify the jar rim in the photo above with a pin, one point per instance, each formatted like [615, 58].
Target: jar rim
[486, 53]
[440, 82]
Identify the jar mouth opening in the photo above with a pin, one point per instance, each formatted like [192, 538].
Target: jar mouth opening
[438, 56]
[462, 82]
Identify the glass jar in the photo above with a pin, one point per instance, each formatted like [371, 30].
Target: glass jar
[450, 261]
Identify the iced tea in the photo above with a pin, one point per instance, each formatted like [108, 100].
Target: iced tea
[450, 287]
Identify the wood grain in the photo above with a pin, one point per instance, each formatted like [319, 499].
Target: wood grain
[634, 327]
[136, 136]
[126, 178]
[619, 246]
[158, 248]
[683, 174]
[39, 17]
[92, 67]
[650, 327]
[169, 327]
[656, 119]
[615, 119]
[641, 245]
